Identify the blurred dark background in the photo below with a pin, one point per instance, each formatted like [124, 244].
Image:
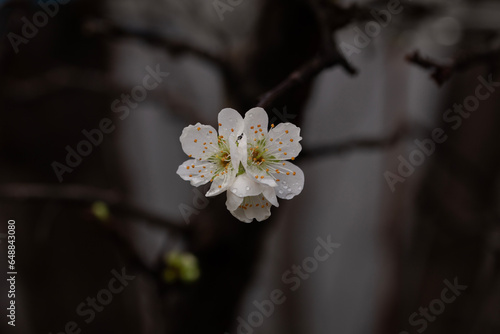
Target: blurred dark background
[369, 79]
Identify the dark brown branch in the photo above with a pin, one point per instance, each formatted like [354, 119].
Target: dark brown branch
[443, 72]
[303, 74]
[356, 144]
[173, 46]
[328, 56]
[85, 196]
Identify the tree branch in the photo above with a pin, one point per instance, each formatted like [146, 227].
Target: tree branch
[328, 56]
[85, 196]
[443, 72]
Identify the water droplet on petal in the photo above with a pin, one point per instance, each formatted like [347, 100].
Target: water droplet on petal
[281, 192]
[289, 196]
[299, 188]
[248, 188]
[234, 190]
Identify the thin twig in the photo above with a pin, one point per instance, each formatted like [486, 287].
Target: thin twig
[306, 72]
[85, 196]
[443, 72]
[328, 56]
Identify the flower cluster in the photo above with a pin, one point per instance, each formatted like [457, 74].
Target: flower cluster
[245, 159]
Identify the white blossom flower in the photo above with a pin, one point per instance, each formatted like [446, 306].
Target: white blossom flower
[215, 158]
[268, 174]
[247, 199]
[245, 159]
[269, 152]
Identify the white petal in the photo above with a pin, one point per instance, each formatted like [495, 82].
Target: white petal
[283, 141]
[195, 171]
[221, 183]
[244, 186]
[270, 194]
[256, 120]
[259, 208]
[240, 215]
[199, 141]
[260, 175]
[238, 150]
[291, 180]
[230, 122]
[233, 201]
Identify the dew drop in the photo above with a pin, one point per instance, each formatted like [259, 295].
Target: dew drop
[299, 188]
[234, 190]
[289, 196]
[248, 188]
[280, 192]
